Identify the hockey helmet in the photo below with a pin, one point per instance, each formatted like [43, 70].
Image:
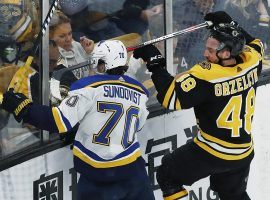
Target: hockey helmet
[230, 37]
[112, 53]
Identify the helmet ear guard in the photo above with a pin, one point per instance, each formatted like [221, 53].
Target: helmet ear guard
[230, 37]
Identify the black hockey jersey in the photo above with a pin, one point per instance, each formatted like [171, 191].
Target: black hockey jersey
[223, 99]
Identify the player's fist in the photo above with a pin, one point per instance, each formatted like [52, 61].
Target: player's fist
[152, 56]
[147, 53]
[217, 18]
[16, 103]
[87, 44]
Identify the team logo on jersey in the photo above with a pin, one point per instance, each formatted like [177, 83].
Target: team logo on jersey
[205, 65]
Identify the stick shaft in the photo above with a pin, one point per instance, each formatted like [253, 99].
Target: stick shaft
[171, 35]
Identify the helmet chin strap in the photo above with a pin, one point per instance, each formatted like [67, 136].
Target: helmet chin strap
[221, 60]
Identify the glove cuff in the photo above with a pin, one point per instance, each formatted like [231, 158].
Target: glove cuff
[156, 65]
[21, 106]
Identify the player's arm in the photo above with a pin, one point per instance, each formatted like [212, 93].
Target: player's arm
[180, 93]
[53, 119]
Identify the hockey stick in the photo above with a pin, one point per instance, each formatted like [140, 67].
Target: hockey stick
[56, 76]
[171, 35]
[16, 81]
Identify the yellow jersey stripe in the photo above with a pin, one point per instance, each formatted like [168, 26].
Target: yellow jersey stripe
[177, 195]
[222, 155]
[224, 143]
[58, 120]
[178, 105]
[115, 163]
[168, 95]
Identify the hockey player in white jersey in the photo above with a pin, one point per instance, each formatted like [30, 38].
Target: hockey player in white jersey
[110, 108]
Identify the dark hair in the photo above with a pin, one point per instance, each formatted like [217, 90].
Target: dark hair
[118, 70]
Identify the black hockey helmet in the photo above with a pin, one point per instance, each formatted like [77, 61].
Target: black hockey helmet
[229, 36]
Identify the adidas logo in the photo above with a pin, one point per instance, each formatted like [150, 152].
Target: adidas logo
[121, 79]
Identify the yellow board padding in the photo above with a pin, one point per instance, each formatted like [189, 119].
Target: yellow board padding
[6, 75]
[20, 81]
[130, 39]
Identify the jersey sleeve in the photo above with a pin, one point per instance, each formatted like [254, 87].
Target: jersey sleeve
[258, 46]
[183, 92]
[142, 118]
[73, 109]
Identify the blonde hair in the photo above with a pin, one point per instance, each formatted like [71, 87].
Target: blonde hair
[58, 18]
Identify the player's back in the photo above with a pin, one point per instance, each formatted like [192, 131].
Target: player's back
[116, 111]
[225, 118]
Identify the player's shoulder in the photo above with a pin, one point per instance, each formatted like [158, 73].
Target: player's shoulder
[95, 81]
[201, 69]
[87, 81]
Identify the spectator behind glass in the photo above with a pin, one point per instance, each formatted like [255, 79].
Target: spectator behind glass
[17, 35]
[137, 69]
[71, 52]
[187, 13]
[253, 16]
[101, 20]
[251, 13]
[67, 78]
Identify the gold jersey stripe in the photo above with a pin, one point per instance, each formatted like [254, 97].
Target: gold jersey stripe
[58, 120]
[222, 155]
[177, 195]
[168, 95]
[224, 143]
[115, 163]
[178, 104]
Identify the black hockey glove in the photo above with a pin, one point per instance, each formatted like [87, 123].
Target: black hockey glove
[218, 17]
[152, 56]
[16, 103]
[222, 17]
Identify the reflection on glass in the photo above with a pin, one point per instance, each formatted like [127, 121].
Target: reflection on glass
[19, 25]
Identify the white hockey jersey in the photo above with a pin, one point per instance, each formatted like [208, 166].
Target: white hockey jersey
[110, 110]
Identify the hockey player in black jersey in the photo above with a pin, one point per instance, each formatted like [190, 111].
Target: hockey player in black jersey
[222, 91]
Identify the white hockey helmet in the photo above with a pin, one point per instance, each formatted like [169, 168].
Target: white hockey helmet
[71, 7]
[112, 53]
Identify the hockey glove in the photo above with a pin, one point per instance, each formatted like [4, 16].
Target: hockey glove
[16, 103]
[218, 17]
[152, 56]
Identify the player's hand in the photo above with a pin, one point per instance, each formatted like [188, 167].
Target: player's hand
[87, 44]
[16, 103]
[217, 18]
[147, 53]
[152, 56]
